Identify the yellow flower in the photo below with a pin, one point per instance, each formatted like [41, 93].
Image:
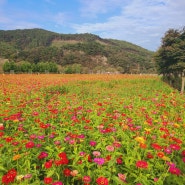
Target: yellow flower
[140, 139]
[15, 120]
[176, 125]
[16, 157]
[148, 129]
[166, 158]
[145, 122]
[19, 177]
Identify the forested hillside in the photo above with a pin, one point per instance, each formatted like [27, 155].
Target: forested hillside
[82, 53]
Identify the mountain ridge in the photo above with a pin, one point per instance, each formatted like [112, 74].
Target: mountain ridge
[90, 52]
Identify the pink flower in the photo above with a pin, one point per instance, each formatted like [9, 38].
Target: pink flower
[96, 153]
[92, 143]
[81, 136]
[72, 142]
[28, 176]
[42, 155]
[33, 136]
[117, 144]
[110, 148]
[41, 137]
[57, 142]
[67, 138]
[175, 147]
[122, 177]
[86, 179]
[174, 170]
[38, 145]
[168, 150]
[82, 153]
[99, 161]
[171, 164]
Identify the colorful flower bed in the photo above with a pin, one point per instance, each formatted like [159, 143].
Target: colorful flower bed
[91, 129]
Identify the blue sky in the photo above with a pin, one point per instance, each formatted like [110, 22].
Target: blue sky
[142, 22]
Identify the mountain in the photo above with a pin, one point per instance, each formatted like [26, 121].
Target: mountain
[87, 52]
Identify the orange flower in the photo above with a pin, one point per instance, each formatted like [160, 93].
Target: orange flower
[160, 154]
[16, 157]
[143, 145]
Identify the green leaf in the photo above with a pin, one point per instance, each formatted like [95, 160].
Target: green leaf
[50, 173]
[2, 169]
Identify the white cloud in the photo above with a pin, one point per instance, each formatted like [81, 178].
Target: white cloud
[94, 7]
[11, 25]
[143, 22]
[61, 18]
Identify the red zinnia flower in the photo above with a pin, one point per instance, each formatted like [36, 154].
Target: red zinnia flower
[9, 176]
[62, 155]
[8, 139]
[183, 153]
[63, 158]
[30, 144]
[89, 158]
[156, 146]
[67, 172]
[102, 181]
[142, 164]
[149, 155]
[119, 160]
[48, 180]
[48, 164]
[1, 134]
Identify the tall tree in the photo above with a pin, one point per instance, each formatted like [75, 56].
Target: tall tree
[170, 57]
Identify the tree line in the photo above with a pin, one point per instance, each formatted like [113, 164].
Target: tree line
[27, 67]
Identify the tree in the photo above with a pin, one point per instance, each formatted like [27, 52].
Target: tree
[170, 57]
[8, 66]
[25, 66]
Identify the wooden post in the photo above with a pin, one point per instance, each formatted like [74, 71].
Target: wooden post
[183, 82]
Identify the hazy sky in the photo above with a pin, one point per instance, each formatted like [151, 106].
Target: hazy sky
[142, 22]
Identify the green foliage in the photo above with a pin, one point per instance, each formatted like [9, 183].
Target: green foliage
[27, 38]
[88, 50]
[174, 81]
[6, 50]
[8, 66]
[26, 67]
[71, 69]
[170, 57]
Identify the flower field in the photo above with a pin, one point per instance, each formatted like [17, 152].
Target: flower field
[91, 130]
